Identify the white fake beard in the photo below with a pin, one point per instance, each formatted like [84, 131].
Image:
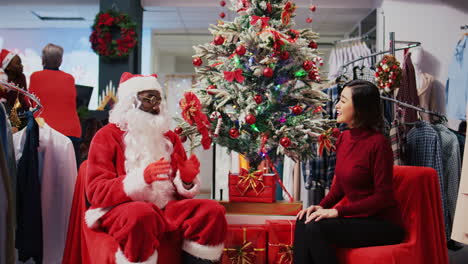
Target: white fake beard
[144, 138]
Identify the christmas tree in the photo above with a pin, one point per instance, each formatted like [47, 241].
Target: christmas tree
[258, 86]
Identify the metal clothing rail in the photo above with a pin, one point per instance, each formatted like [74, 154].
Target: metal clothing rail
[365, 37]
[391, 51]
[419, 109]
[31, 96]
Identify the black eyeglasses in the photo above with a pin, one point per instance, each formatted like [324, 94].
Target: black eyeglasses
[154, 100]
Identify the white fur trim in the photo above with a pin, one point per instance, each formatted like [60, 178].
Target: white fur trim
[158, 193]
[133, 86]
[92, 216]
[212, 253]
[184, 192]
[121, 259]
[135, 186]
[7, 59]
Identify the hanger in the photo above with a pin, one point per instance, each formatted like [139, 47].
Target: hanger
[40, 121]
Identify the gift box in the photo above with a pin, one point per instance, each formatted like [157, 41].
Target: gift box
[245, 244]
[280, 241]
[252, 187]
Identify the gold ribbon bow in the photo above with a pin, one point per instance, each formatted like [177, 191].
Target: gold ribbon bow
[325, 142]
[246, 254]
[252, 181]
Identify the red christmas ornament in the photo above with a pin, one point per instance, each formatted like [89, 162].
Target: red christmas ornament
[234, 133]
[218, 40]
[313, 8]
[312, 75]
[285, 142]
[210, 88]
[222, 3]
[197, 62]
[313, 45]
[250, 119]
[222, 15]
[240, 50]
[258, 99]
[309, 20]
[307, 65]
[178, 130]
[284, 55]
[297, 109]
[268, 72]
[269, 9]
[183, 138]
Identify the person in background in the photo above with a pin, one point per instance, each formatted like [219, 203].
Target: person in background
[57, 92]
[11, 70]
[369, 214]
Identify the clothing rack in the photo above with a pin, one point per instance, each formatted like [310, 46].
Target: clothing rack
[31, 96]
[392, 50]
[365, 37]
[419, 109]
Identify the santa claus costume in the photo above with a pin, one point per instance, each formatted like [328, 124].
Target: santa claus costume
[137, 212]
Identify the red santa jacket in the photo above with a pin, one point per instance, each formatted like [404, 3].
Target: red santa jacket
[107, 183]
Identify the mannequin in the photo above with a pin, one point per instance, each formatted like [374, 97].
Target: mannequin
[425, 84]
[417, 55]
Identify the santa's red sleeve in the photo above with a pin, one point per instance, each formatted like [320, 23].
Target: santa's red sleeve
[179, 149]
[104, 187]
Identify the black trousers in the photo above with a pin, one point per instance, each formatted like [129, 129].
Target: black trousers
[315, 242]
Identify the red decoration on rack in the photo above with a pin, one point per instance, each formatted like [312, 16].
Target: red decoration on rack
[313, 45]
[222, 3]
[297, 109]
[222, 15]
[258, 98]
[284, 55]
[309, 20]
[307, 65]
[313, 8]
[178, 130]
[285, 142]
[234, 133]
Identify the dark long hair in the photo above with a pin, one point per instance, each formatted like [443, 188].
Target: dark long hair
[367, 105]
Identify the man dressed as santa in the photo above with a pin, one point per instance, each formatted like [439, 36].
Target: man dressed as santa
[139, 181]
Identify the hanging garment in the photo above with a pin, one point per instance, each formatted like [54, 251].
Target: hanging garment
[423, 148]
[460, 225]
[57, 170]
[452, 167]
[426, 93]
[457, 83]
[7, 172]
[408, 92]
[28, 198]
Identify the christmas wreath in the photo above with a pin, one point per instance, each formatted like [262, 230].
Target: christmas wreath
[107, 24]
[388, 74]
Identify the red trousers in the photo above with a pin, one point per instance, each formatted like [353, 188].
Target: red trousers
[138, 226]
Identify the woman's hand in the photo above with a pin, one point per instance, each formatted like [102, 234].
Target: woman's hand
[322, 214]
[308, 211]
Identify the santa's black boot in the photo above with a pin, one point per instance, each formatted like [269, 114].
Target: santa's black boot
[190, 259]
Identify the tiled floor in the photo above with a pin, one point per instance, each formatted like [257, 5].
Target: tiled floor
[459, 257]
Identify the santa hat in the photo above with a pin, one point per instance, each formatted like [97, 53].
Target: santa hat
[131, 84]
[5, 58]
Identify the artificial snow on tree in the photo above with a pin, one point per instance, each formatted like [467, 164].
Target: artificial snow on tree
[259, 85]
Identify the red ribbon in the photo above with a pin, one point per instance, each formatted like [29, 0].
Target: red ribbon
[191, 112]
[270, 164]
[288, 10]
[234, 75]
[325, 142]
[263, 19]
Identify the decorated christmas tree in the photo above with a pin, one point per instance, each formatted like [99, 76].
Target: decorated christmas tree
[258, 90]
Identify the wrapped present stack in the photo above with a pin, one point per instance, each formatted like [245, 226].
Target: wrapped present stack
[271, 242]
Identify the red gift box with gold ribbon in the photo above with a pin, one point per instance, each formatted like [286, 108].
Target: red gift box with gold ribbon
[245, 244]
[252, 187]
[280, 241]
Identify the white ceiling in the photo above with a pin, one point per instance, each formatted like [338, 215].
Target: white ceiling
[173, 18]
